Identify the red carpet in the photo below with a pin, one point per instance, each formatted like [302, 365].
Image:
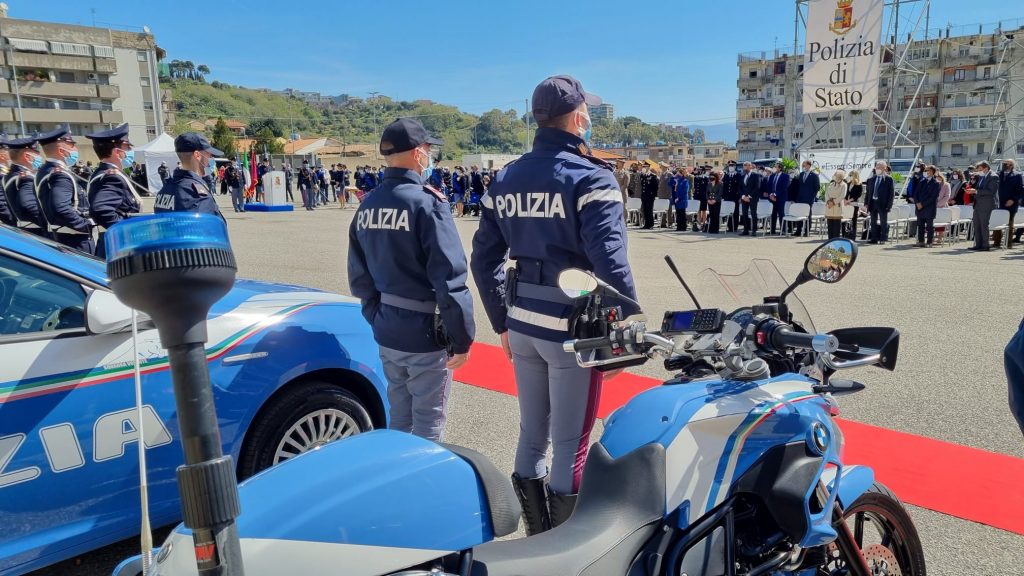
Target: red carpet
[965, 482]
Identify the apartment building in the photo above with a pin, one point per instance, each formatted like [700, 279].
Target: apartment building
[969, 107]
[605, 111]
[89, 78]
[714, 154]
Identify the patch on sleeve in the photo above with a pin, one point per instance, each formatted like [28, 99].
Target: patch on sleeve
[434, 192]
[200, 189]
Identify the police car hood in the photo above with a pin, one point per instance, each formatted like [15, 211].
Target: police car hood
[253, 295]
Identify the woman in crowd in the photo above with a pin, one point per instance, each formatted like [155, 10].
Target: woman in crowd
[854, 194]
[714, 200]
[956, 188]
[835, 192]
[942, 201]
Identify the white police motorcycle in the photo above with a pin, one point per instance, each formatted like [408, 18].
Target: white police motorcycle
[731, 468]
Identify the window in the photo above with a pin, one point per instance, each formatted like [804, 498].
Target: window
[800, 68]
[146, 105]
[956, 150]
[798, 135]
[780, 67]
[753, 74]
[142, 56]
[858, 130]
[781, 90]
[981, 148]
[986, 72]
[959, 75]
[144, 80]
[38, 300]
[151, 130]
[964, 51]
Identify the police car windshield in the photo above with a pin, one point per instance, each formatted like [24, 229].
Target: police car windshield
[747, 288]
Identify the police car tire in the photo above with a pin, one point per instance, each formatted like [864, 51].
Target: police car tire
[290, 406]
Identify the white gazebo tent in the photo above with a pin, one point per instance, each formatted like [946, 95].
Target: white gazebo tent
[152, 154]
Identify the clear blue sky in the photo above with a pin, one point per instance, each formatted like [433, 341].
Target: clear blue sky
[662, 60]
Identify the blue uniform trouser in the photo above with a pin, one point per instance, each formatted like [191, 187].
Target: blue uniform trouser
[82, 242]
[557, 406]
[418, 387]
[778, 213]
[1013, 359]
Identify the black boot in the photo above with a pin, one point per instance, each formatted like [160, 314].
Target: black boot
[530, 492]
[561, 506]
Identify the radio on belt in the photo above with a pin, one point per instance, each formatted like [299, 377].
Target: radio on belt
[703, 321]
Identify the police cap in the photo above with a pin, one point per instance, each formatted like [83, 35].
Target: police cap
[61, 134]
[19, 143]
[405, 134]
[117, 135]
[194, 142]
[559, 95]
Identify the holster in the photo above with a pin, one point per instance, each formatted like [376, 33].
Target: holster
[441, 335]
[511, 279]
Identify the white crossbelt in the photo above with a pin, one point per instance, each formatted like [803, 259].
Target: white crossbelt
[538, 319]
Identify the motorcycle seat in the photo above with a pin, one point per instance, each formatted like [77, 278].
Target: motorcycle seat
[501, 498]
[620, 505]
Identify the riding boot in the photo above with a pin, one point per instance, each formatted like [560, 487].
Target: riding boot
[561, 506]
[530, 492]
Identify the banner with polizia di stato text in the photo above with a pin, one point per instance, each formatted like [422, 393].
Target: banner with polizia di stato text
[842, 52]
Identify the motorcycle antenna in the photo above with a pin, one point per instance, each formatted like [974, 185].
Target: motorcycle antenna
[147, 531]
[672, 266]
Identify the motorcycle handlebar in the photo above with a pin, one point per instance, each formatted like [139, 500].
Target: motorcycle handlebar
[584, 344]
[783, 337]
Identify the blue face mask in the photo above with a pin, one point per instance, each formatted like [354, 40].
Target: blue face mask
[72, 158]
[429, 170]
[587, 132]
[37, 162]
[129, 159]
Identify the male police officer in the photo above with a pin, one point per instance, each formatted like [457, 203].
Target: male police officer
[186, 190]
[407, 266]
[555, 208]
[112, 197]
[65, 205]
[6, 216]
[19, 187]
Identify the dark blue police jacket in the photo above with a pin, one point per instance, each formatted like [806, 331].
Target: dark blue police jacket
[111, 196]
[554, 208]
[186, 191]
[403, 242]
[20, 190]
[65, 205]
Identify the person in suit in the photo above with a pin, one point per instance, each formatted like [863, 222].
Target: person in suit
[809, 185]
[622, 177]
[749, 197]
[714, 199]
[778, 195]
[984, 204]
[925, 198]
[881, 191]
[732, 183]
[1011, 188]
[648, 193]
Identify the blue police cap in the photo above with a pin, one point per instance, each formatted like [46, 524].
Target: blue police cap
[114, 135]
[19, 143]
[405, 134]
[559, 95]
[194, 142]
[62, 134]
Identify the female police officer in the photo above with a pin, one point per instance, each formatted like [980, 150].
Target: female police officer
[555, 208]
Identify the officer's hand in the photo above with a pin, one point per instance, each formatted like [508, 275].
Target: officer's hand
[505, 345]
[612, 373]
[456, 361]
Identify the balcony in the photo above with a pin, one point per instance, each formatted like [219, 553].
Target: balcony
[756, 144]
[7, 114]
[108, 91]
[111, 117]
[50, 115]
[57, 89]
[975, 110]
[29, 60]
[971, 85]
[106, 65]
[752, 83]
[778, 101]
[746, 103]
[746, 124]
[957, 61]
[771, 122]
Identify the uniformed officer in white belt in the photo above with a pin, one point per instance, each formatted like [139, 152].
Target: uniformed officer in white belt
[407, 266]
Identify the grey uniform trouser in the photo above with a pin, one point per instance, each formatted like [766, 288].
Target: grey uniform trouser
[418, 386]
[557, 406]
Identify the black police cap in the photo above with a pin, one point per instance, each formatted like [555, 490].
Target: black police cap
[405, 134]
[114, 135]
[559, 95]
[19, 143]
[194, 142]
[62, 134]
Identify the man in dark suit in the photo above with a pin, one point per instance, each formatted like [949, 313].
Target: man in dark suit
[749, 197]
[1011, 188]
[778, 194]
[732, 184]
[984, 204]
[925, 199]
[648, 194]
[881, 191]
[809, 186]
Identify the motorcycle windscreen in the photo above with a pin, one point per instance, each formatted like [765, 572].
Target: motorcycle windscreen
[761, 279]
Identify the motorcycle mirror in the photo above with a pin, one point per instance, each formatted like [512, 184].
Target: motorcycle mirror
[831, 261]
[576, 283]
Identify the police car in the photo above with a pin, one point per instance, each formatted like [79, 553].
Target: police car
[292, 369]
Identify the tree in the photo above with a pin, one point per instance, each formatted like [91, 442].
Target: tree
[259, 124]
[202, 70]
[267, 143]
[190, 69]
[223, 139]
[698, 136]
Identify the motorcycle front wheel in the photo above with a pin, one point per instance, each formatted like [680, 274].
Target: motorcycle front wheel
[885, 535]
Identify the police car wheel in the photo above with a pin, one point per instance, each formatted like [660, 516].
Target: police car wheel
[302, 418]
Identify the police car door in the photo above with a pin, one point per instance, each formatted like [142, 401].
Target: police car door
[68, 460]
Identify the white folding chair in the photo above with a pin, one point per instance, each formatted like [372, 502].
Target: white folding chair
[764, 215]
[944, 218]
[1000, 220]
[967, 221]
[954, 224]
[797, 213]
[633, 206]
[818, 216]
[727, 207]
[661, 208]
[897, 218]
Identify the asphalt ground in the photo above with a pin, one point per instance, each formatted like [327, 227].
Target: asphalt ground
[955, 309]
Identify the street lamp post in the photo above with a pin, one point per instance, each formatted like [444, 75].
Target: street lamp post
[373, 95]
[17, 89]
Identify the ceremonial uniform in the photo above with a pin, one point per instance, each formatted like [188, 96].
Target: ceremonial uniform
[64, 203]
[6, 216]
[732, 187]
[19, 189]
[112, 197]
[186, 191]
[407, 267]
[555, 208]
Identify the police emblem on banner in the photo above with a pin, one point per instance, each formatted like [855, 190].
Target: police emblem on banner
[843, 21]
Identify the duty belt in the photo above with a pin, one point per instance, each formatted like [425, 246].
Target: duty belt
[424, 306]
[66, 230]
[541, 292]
